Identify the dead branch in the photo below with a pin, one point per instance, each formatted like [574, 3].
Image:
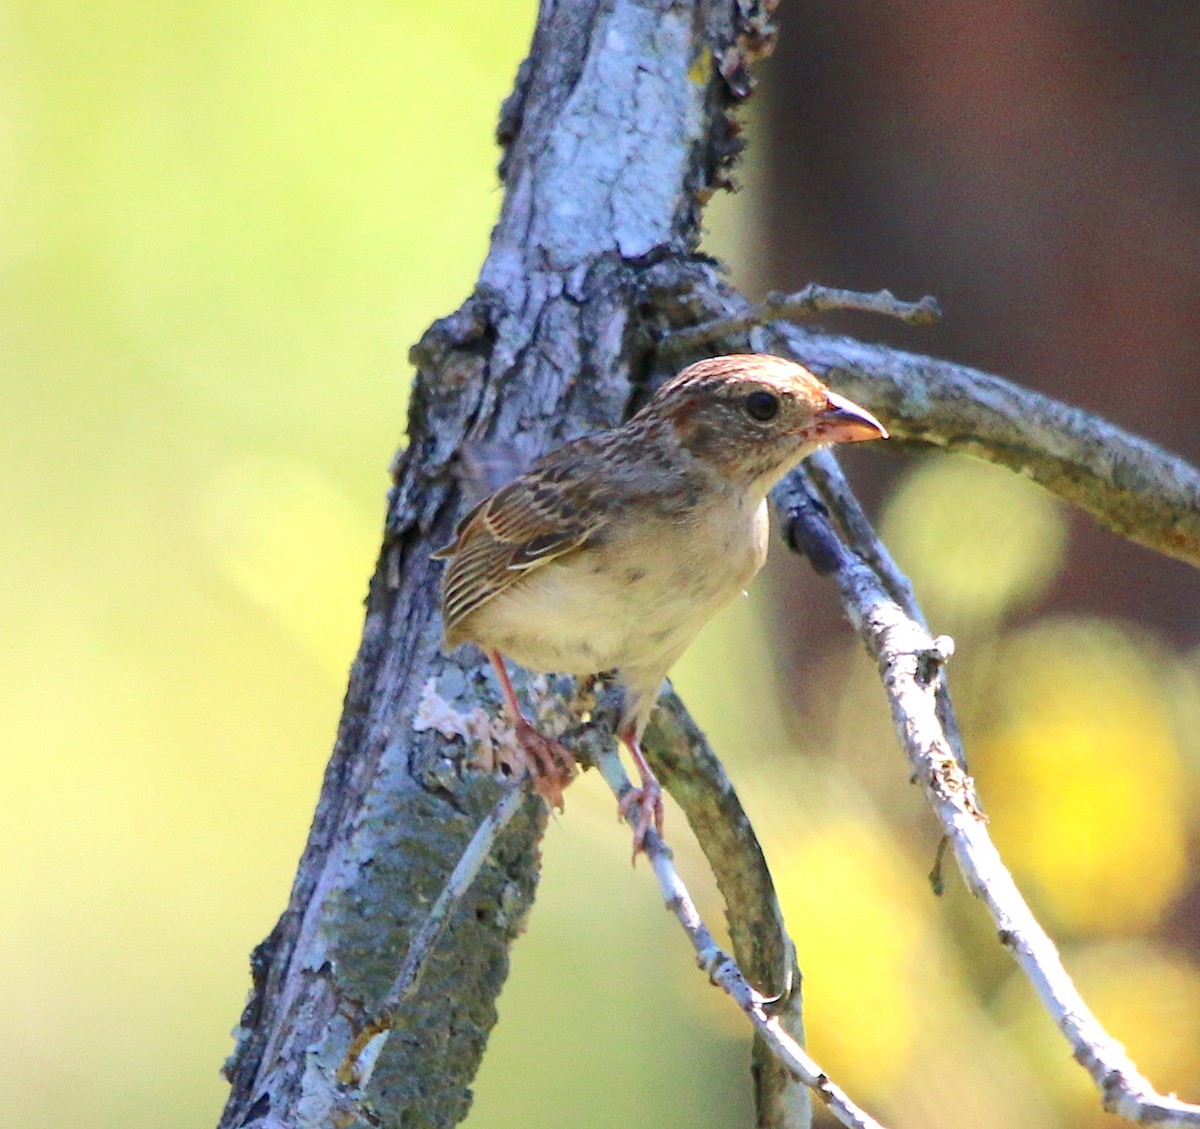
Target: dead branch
[911, 669]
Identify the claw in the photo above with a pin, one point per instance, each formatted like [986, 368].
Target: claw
[550, 764]
[650, 813]
[649, 795]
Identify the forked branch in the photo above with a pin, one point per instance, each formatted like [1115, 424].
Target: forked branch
[723, 970]
[910, 666]
[811, 299]
[1127, 483]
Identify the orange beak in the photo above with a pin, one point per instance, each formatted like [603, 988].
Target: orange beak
[843, 421]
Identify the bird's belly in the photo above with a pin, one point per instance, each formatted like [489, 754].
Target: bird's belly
[603, 609]
[547, 622]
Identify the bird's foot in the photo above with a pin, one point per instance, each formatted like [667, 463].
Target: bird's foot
[550, 763]
[650, 812]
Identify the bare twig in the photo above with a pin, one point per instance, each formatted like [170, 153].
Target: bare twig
[723, 970]
[689, 769]
[812, 299]
[910, 667]
[826, 474]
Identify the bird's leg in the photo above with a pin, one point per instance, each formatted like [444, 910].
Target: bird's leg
[550, 763]
[649, 795]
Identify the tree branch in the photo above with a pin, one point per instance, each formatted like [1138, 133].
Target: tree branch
[723, 970]
[826, 475]
[812, 299]
[686, 765]
[1128, 484]
[910, 667]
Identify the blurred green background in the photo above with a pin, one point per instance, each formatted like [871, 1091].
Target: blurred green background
[221, 227]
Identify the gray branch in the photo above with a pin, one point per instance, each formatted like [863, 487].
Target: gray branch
[723, 970]
[690, 770]
[1128, 484]
[812, 299]
[911, 669]
[686, 765]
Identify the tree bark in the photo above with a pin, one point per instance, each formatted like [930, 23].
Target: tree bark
[618, 131]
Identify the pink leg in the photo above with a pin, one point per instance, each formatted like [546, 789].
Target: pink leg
[550, 764]
[648, 796]
[506, 686]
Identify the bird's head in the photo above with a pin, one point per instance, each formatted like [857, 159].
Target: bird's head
[752, 417]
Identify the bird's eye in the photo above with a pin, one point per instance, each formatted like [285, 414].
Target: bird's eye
[762, 406]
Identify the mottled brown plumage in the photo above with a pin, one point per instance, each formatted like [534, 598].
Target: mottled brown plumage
[613, 551]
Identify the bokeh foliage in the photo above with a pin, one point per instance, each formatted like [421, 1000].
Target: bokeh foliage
[221, 226]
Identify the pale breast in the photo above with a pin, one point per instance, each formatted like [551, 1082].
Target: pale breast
[627, 602]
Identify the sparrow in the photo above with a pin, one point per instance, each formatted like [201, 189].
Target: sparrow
[611, 552]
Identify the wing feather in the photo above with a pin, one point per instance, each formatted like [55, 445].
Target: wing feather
[535, 519]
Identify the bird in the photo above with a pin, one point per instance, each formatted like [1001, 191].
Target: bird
[611, 552]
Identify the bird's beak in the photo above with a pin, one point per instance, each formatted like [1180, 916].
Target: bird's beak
[843, 421]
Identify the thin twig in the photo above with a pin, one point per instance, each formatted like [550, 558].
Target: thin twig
[826, 473]
[812, 299]
[422, 944]
[723, 970]
[688, 768]
[910, 668]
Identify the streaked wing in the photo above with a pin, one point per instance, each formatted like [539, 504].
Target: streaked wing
[528, 523]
